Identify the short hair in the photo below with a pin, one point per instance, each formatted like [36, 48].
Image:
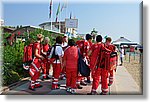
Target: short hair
[59, 39]
[108, 39]
[47, 38]
[71, 42]
[98, 38]
[88, 36]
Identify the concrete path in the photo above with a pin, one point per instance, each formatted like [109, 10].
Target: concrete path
[123, 84]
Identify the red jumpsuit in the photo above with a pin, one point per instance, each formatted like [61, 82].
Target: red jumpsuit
[71, 59]
[110, 72]
[46, 66]
[35, 67]
[98, 72]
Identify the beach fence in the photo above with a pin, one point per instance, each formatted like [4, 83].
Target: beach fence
[135, 56]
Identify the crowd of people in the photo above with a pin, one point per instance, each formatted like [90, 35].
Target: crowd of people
[100, 57]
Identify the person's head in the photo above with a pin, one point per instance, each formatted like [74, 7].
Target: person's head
[40, 37]
[108, 40]
[88, 37]
[59, 40]
[98, 38]
[65, 39]
[71, 42]
[46, 40]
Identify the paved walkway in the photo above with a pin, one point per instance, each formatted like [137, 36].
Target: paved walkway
[123, 84]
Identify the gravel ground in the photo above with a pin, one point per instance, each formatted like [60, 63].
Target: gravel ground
[135, 68]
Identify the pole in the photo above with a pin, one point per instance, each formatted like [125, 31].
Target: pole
[60, 23]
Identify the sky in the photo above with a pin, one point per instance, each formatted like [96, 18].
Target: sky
[112, 19]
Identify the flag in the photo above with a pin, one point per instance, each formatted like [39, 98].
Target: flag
[50, 9]
[70, 15]
[58, 10]
[63, 6]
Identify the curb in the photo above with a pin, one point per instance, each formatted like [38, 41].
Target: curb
[14, 85]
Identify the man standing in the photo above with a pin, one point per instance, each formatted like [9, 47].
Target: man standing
[46, 48]
[96, 54]
[35, 66]
[84, 46]
[56, 56]
[112, 48]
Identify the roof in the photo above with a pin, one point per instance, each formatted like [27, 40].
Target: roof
[35, 27]
[121, 39]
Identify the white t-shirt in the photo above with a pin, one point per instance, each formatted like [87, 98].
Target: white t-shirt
[58, 51]
[122, 53]
[64, 44]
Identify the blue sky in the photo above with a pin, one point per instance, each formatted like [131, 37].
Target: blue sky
[112, 19]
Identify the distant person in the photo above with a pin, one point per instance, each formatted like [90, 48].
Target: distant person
[71, 63]
[121, 55]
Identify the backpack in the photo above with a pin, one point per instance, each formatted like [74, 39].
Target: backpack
[54, 56]
[28, 53]
[83, 67]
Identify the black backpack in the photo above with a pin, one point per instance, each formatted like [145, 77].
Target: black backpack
[82, 66]
[53, 54]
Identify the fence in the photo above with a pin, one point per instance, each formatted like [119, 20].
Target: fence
[134, 56]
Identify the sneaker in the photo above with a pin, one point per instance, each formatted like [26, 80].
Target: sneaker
[68, 89]
[73, 91]
[83, 83]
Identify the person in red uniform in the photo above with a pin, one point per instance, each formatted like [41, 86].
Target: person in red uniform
[95, 54]
[112, 48]
[71, 63]
[57, 55]
[84, 46]
[46, 67]
[35, 66]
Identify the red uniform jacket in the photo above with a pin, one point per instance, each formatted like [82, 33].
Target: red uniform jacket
[71, 58]
[84, 47]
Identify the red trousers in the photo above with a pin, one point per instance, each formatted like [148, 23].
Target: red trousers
[34, 72]
[56, 73]
[97, 74]
[46, 68]
[111, 76]
[71, 75]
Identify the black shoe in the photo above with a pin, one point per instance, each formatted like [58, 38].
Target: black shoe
[92, 93]
[38, 86]
[88, 81]
[79, 87]
[103, 93]
[83, 83]
[33, 89]
[109, 84]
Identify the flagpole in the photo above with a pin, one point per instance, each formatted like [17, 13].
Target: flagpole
[60, 22]
[52, 18]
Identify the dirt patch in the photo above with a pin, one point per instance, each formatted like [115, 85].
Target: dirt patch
[135, 67]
